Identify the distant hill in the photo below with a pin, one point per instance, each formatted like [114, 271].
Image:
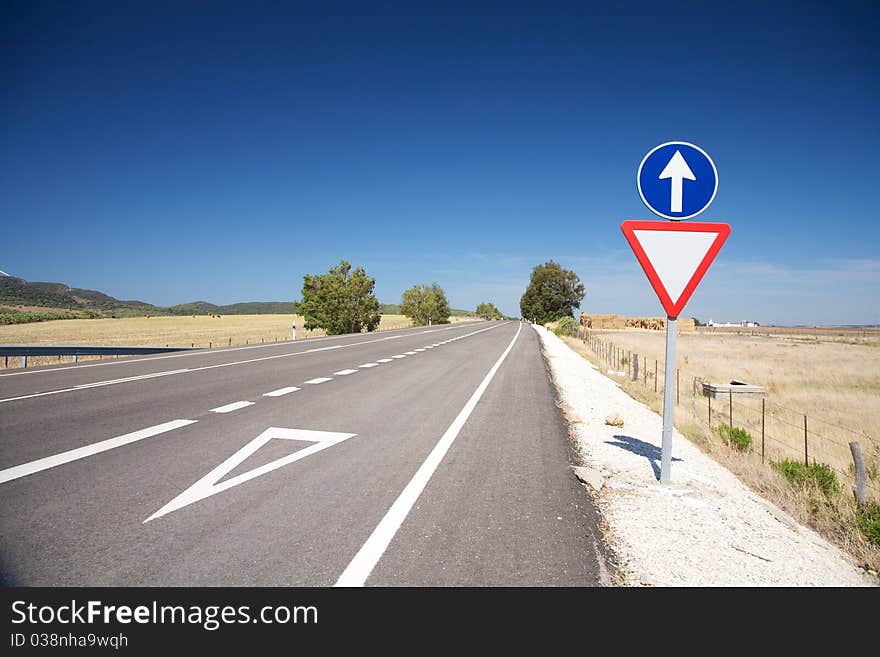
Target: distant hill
[19, 292]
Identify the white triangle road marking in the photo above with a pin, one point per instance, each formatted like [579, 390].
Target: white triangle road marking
[208, 486]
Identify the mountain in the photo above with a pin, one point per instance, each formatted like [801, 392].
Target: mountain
[19, 292]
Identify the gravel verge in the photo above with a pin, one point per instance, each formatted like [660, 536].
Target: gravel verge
[704, 529]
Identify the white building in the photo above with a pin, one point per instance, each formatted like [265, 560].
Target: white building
[743, 324]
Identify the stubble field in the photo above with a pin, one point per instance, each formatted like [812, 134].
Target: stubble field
[829, 377]
[181, 331]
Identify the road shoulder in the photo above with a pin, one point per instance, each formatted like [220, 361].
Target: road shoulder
[706, 528]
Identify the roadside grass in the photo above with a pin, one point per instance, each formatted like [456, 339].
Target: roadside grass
[813, 501]
[830, 376]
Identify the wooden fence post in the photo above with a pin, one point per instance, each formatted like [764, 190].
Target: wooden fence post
[860, 488]
[806, 453]
[730, 408]
[762, 429]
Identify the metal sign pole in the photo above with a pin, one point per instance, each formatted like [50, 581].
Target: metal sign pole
[668, 400]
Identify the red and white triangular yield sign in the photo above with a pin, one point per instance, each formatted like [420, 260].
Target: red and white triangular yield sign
[675, 256]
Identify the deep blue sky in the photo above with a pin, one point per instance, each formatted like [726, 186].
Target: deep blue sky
[223, 150]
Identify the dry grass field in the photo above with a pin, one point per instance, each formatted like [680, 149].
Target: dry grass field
[831, 377]
[182, 331]
[834, 380]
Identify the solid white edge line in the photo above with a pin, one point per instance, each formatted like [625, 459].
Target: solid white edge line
[357, 572]
[281, 391]
[88, 450]
[234, 406]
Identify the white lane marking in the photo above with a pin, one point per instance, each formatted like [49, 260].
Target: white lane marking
[234, 406]
[344, 372]
[410, 353]
[208, 486]
[208, 367]
[399, 356]
[357, 572]
[281, 391]
[130, 378]
[320, 379]
[436, 345]
[82, 452]
[226, 350]
[384, 360]
[419, 349]
[367, 366]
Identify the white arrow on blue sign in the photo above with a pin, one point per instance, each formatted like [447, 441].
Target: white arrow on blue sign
[677, 180]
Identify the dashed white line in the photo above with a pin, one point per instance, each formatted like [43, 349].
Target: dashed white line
[320, 379]
[410, 353]
[234, 406]
[281, 391]
[419, 349]
[399, 356]
[344, 372]
[130, 378]
[81, 452]
[201, 352]
[384, 360]
[367, 366]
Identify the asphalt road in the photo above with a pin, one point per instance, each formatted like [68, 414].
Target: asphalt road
[432, 456]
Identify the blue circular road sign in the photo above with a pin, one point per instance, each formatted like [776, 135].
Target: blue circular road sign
[677, 180]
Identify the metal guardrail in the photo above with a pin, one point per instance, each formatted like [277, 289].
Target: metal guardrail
[77, 350]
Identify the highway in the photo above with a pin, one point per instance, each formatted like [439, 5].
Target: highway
[432, 456]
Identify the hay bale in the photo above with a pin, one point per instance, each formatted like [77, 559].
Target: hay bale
[602, 321]
[685, 324]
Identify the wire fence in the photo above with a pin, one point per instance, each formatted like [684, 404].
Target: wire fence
[778, 432]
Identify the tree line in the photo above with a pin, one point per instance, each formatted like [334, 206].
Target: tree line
[343, 300]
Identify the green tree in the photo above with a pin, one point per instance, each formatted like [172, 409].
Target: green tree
[424, 305]
[488, 311]
[340, 301]
[553, 293]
